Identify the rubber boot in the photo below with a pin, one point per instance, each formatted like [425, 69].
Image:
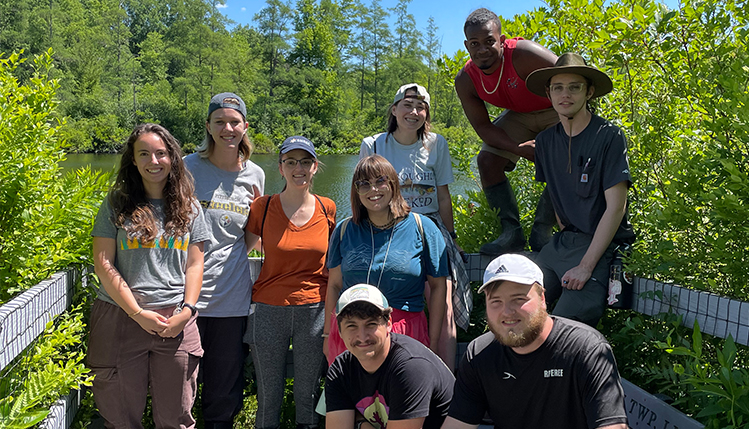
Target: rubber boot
[544, 222]
[502, 197]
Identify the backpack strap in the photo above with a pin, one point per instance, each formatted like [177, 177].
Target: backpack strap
[382, 136]
[265, 213]
[262, 227]
[331, 224]
[417, 218]
[344, 224]
[421, 227]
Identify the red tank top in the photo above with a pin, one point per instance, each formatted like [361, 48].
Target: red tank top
[512, 93]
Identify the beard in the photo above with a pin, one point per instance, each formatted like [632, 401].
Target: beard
[526, 336]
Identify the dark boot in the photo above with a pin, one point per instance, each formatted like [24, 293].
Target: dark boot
[544, 222]
[502, 197]
[218, 425]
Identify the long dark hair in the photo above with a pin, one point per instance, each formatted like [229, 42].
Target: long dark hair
[371, 167]
[128, 196]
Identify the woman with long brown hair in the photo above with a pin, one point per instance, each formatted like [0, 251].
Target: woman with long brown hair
[148, 255]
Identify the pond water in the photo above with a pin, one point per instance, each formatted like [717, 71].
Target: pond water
[333, 181]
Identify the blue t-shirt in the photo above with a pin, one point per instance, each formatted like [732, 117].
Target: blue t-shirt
[406, 262]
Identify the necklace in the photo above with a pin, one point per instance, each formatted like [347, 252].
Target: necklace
[387, 251]
[385, 226]
[501, 70]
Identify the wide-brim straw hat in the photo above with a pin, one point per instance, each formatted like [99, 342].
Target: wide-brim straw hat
[569, 63]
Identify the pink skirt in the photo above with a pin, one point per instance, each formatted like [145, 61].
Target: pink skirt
[408, 323]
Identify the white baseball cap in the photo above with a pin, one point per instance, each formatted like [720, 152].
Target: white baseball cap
[421, 93]
[513, 267]
[361, 292]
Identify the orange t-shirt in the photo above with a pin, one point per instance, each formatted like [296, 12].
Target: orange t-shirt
[294, 271]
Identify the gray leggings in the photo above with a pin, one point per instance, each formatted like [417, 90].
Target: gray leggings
[269, 330]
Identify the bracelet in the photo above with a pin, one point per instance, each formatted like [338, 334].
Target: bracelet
[325, 335]
[453, 235]
[136, 313]
[359, 423]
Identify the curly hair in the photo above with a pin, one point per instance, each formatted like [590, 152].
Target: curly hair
[393, 121]
[480, 17]
[369, 168]
[132, 210]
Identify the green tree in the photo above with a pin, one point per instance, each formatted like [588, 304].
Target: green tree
[314, 38]
[273, 23]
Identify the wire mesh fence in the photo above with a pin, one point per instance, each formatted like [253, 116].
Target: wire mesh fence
[717, 315]
[22, 321]
[23, 318]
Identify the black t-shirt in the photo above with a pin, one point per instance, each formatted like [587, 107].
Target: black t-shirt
[412, 383]
[598, 161]
[571, 381]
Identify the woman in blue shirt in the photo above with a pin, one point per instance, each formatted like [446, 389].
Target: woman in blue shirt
[385, 245]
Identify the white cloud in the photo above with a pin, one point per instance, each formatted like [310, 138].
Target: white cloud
[244, 9]
[221, 6]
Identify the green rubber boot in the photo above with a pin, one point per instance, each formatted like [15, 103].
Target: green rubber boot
[502, 197]
[544, 222]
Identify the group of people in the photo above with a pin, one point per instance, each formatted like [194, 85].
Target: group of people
[177, 305]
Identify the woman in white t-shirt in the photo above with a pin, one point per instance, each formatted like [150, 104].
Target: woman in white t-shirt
[422, 160]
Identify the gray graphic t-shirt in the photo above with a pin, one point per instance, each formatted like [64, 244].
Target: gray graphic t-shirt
[154, 271]
[225, 197]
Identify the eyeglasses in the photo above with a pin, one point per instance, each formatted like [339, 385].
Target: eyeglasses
[573, 88]
[291, 162]
[364, 186]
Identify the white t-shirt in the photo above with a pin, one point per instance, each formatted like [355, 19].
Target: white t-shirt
[421, 167]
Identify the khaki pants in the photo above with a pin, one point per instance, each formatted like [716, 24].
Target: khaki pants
[521, 127]
[127, 360]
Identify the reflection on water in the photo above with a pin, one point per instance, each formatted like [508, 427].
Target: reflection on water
[333, 180]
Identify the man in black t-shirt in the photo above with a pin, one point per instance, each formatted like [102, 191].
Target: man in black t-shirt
[382, 379]
[583, 160]
[534, 370]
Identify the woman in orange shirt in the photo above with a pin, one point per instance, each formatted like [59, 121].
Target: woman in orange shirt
[288, 296]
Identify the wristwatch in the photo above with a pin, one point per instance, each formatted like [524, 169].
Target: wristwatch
[184, 305]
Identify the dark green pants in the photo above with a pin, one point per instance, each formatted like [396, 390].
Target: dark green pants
[564, 252]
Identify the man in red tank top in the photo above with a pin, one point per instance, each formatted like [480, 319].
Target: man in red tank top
[496, 74]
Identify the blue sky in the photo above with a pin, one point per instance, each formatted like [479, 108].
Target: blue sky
[449, 15]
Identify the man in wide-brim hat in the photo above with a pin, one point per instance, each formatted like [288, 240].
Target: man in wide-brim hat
[583, 161]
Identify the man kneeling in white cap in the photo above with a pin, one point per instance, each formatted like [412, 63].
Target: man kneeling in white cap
[534, 370]
[383, 379]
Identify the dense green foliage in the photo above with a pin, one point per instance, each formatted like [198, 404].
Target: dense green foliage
[51, 368]
[706, 377]
[46, 217]
[45, 221]
[681, 96]
[327, 69]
